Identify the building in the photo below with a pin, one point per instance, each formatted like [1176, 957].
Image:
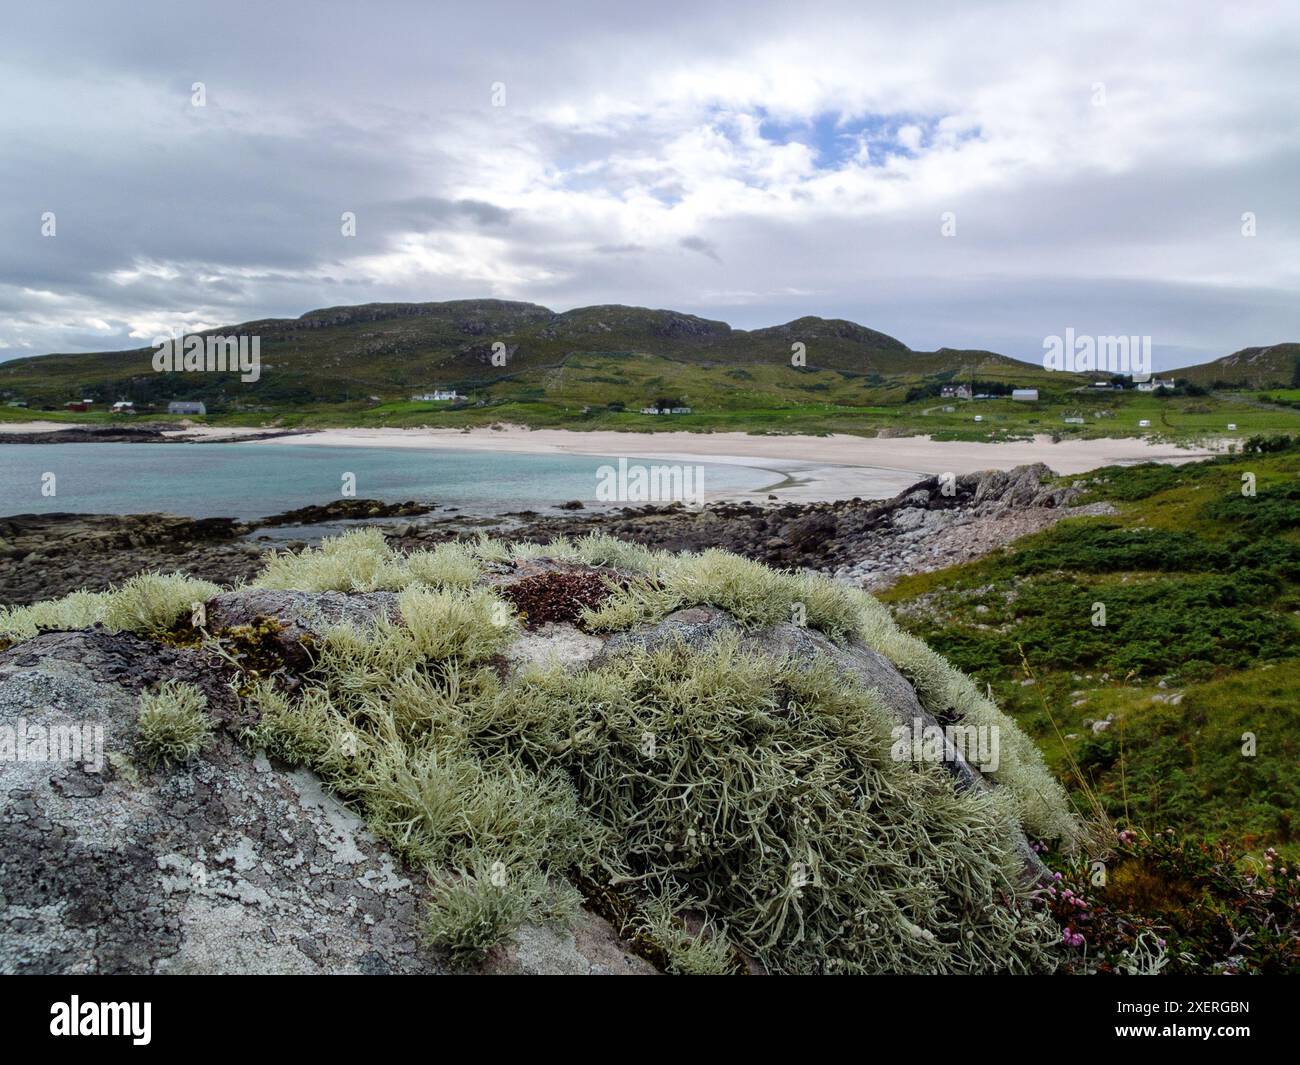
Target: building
[1153, 384]
[1074, 421]
[1145, 423]
[186, 407]
[80, 404]
[955, 392]
[438, 396]
[665, 410]
[1025, 395]
[123, 406]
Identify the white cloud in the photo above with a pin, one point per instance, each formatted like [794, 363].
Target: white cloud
[793, 161]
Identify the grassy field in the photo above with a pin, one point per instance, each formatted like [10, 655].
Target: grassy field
[607, 391]
[1200, 650]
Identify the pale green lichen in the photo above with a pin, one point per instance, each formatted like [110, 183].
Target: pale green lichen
[754, 792]
[174, 723]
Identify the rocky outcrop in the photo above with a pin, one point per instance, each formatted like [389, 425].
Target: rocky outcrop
[230, 865]
[937, 522]
[44, 556]
[346, 510]
[234, 863]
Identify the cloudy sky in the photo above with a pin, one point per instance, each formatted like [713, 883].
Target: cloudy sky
[751, 162]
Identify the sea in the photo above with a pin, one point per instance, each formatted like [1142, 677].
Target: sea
[246, 480]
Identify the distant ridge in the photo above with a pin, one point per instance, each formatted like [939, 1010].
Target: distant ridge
[351, 353]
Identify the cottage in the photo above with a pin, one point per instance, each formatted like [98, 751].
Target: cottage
[438, 396]
[1144, 423]
[186, 407]
[1025, 395]
[1153, 384]
[955, 392]
[123, 406]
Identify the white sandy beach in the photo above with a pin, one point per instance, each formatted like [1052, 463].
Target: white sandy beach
[805, 468]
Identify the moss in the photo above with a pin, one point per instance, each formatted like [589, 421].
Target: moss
[559, 595]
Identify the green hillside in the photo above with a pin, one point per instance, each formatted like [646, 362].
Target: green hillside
[1275, 366]
[348, 354]
[1199, 650]
[596, 367]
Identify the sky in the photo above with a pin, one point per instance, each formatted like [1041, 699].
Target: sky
[974, 175]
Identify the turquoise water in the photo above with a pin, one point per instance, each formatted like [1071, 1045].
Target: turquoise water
[255, 480]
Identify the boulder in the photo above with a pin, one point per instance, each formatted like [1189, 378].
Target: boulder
[230, 865]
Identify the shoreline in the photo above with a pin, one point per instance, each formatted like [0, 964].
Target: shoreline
[799, 468]
[805, 469]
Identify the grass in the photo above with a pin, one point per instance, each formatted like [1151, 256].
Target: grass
[1202, 588]
[849, 390]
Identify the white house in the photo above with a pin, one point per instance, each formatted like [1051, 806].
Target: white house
[1025, 395]
[1153, 384]
[177, 407]
[123, 406]
[1145, 423]
[955, 392]
[439, 396]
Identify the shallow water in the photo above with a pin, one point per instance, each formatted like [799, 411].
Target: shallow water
[255, 480]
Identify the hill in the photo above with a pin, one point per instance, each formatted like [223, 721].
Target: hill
[388, 350]
[1274, 366]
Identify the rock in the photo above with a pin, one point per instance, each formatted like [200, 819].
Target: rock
[300, 617]
[229, 865]
[214, 868]
[347, 509]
